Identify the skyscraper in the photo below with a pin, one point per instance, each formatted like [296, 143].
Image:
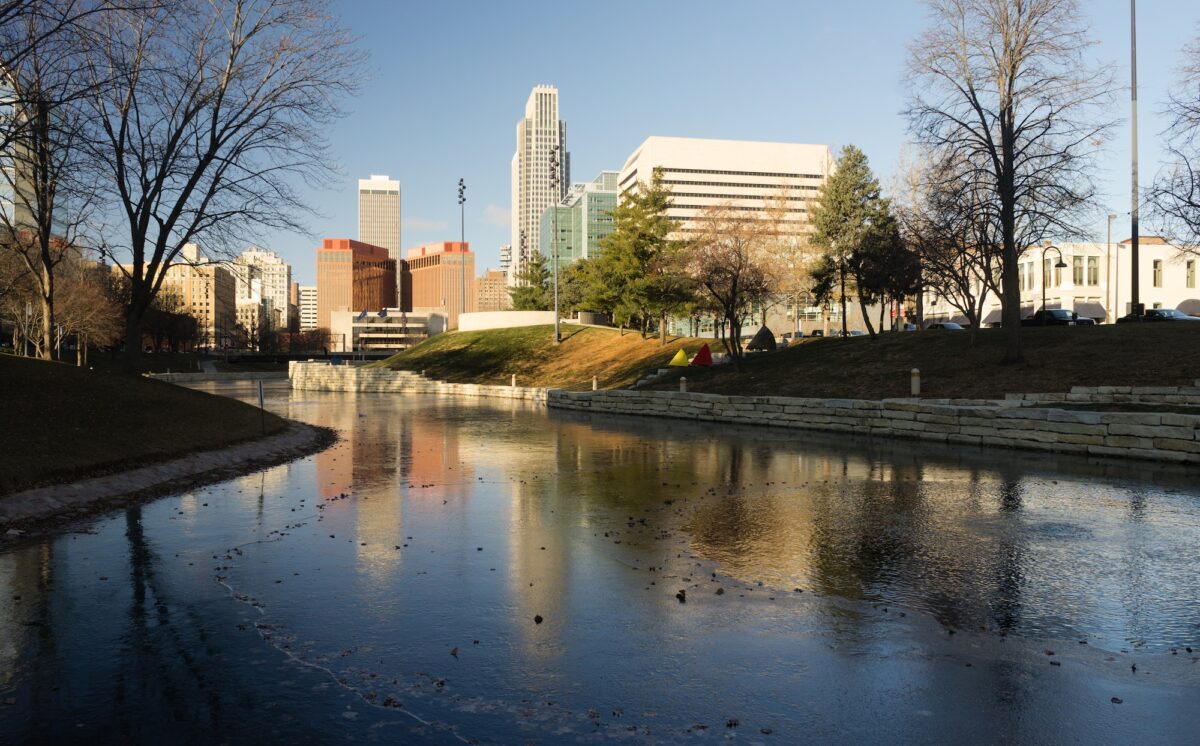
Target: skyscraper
[379, 214]
[275, 278]
[539, 133]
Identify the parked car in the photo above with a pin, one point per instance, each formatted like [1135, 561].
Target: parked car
[817, 333]
[857, 333]
[947, 325]
[1056, 317]
[1159, 314]
[908, 327]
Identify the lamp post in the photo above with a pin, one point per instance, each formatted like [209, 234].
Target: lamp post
[1134, 280]
[1109, 278]
[555, 179]
[1045, 275]
[462, 245]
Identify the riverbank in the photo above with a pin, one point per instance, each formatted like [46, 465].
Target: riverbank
[1017, 421]
[47, 508]
[64, 423]
[1056, 359]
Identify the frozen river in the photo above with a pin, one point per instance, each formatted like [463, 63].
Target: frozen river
[472, 571]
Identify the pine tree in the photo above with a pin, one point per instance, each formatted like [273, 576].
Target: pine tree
[533, 291]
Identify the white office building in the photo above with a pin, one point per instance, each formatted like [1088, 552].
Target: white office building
[379, 215]
[273, 276]
[1095, 281]
[539, 133]
[308, 307]
[745, 175]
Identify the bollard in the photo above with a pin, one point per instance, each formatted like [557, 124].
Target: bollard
[595, 384]
[916, 382]
[683, 384]
[514, 380]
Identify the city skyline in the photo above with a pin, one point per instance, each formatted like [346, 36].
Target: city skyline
[763, 90]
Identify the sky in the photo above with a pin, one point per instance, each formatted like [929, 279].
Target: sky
[448, 81]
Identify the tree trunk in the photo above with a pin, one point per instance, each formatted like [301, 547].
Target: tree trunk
[862, 306]
[842, 280]
[1011, 296]
[662, 331]
[883, 307]
[133, 341]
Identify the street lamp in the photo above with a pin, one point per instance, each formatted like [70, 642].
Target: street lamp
[462, 241]
[555, 179]
[1045, 275]
[1111, 296]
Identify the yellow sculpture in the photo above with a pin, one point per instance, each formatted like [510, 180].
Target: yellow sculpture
[680, 360]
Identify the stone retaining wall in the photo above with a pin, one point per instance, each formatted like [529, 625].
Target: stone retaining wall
[1174, 395]
[325, 377]
[1013, 423]
[219, 376]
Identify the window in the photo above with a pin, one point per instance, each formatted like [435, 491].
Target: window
[1077, 270]
[1021, 275]
[1093, 271]
[1058, 275]
[1191, 273]
[1157, 273]
[1046, 272]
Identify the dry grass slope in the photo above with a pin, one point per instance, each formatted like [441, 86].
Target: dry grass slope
[494, 355]
[62, 423]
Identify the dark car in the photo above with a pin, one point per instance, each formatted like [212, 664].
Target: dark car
[816, 333]
[1056, 317]
[1159, 314]
[946, 325]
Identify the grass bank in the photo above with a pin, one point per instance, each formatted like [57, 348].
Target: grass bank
[62, 423]
[493, 356]
[1056, 358]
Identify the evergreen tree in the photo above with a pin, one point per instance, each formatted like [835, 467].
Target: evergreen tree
[851, 219]
[533, 291]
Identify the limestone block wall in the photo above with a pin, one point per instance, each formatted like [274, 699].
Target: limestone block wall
[1186, 395]
[1159, 437]
[218, 376]
[324, 377]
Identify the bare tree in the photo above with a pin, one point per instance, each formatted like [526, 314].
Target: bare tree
[211, 116]
[1175, 195]
[954, 229]
[44, 170]
[1004, 90]
[726, 259]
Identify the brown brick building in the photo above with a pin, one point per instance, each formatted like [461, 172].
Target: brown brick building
[352, 275]
[439, 273]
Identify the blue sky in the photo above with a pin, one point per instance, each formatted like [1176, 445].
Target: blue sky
[449, 81]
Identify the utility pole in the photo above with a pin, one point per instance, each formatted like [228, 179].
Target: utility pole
[1134, 280]
[462, 245]
[555, 179]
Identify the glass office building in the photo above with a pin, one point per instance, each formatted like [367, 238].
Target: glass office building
[583, 218]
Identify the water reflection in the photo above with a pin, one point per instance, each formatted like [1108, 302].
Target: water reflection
[437, 525]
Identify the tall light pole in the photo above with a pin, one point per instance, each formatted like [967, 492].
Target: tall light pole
[1135, 284]
[462, 244]
[1046, 275]
[555, 179]
[1111, 296]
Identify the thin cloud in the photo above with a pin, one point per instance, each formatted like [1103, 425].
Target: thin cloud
[424, 224]
[497, 215]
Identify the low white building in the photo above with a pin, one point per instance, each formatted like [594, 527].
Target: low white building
[1095, 283]
[388, 330]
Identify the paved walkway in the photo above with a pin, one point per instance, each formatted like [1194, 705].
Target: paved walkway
[63, 503]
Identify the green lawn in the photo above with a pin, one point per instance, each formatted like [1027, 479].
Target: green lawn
[1056, 358]
[62, 422]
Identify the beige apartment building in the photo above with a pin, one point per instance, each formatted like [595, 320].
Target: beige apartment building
[746, 175]
[206, 290]
[492, 290]
[379, 215]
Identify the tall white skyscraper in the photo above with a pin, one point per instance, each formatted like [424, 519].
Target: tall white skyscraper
[538, 134]
[379, 215]
[308, 307]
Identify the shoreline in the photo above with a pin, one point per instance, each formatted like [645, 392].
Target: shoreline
[40, 510]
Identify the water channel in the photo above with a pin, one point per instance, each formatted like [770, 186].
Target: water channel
[489, 572]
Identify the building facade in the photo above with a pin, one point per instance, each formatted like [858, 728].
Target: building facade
[352, 275]
[1095, 283]
[442, 275]
[274, 280]
[379, 214]
[307, 295]
[539, 133]
[582, 219]
[492, 292]
[207, 291]
[747, 176]
[387, 330]
[506, 259]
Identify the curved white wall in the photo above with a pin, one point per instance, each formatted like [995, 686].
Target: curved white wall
[469, 322]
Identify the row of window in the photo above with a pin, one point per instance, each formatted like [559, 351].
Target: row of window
[1091, 275]
[668, 169]
[730, 207]
[737, 196]
[776, 187]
